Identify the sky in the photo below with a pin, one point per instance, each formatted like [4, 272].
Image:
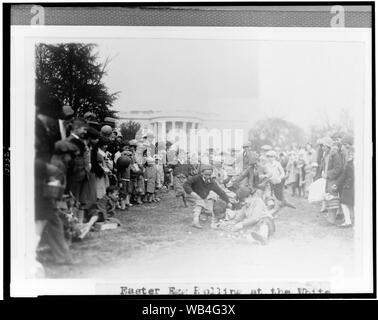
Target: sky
[304, 82]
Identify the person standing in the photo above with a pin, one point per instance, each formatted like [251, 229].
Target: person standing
[275, 175]
[346, 184]
[46, 217]
[77, 171]
[102, 180]
[331, 168]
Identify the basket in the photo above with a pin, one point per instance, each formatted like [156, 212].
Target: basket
[333, 204]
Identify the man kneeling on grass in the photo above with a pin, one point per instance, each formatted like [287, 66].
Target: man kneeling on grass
[103, 210]
[253, 214]
[198, 188]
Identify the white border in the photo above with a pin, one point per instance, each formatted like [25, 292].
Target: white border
[23, 39]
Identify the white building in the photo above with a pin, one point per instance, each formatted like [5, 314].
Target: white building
[167, 125]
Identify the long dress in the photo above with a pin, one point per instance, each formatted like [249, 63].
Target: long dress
[102, 182]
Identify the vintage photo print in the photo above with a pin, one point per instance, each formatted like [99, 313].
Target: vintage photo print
[220, 150]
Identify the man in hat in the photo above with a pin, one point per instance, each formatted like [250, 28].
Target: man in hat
[198, 188]
[65, 122]
[249, 176]
[46, 134]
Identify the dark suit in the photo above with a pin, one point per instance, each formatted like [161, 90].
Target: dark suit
[346, 185]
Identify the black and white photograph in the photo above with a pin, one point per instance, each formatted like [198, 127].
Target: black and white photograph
[169, 158]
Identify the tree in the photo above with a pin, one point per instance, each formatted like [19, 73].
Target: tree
[276, 132]
[129, 129]
[344, 125]
[71, 74]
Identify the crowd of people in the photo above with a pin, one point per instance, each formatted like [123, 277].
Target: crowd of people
[88, 171]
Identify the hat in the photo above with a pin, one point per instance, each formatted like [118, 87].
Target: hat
[206, 167]
[266, 147]
[67, 110]
[348, 139]
[327, 141]
[314, 165]
[106, 130]
[247, 145]
[89, 115]
[64, 146]
[93, 133]
[271, 153]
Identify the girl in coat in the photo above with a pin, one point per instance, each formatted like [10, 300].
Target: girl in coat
[151, 177]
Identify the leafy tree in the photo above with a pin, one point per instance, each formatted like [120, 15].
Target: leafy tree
[276, 132]
[129, 129]
[70, 74]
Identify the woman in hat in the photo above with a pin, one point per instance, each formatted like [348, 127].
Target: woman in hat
[88, 195]
[102, 180]
[331, 168]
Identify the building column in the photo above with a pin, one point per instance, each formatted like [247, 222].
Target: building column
[156, 127]
[163, 131]
[184, 127]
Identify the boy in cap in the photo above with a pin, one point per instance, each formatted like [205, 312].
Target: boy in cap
[198, 187]
[102, 211]
[253, 214]
[275, 175]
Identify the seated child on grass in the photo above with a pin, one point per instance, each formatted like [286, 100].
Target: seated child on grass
[103, 210]
[254, 215]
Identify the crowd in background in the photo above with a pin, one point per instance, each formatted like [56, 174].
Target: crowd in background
[88, 169]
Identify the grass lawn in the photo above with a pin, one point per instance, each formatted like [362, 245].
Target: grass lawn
[157, 242]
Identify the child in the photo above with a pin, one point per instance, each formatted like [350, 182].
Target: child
[311, 171]
[123, 177]
[160, 174]
[150, 176]
[181, 172]
[276, 174]
[104, 210]
[301, 176]
[137, 181]
[253, 215]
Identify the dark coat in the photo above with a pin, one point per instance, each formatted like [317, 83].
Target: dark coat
[46, 134]
[334, 170]
[197, 185]
[345, 185]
